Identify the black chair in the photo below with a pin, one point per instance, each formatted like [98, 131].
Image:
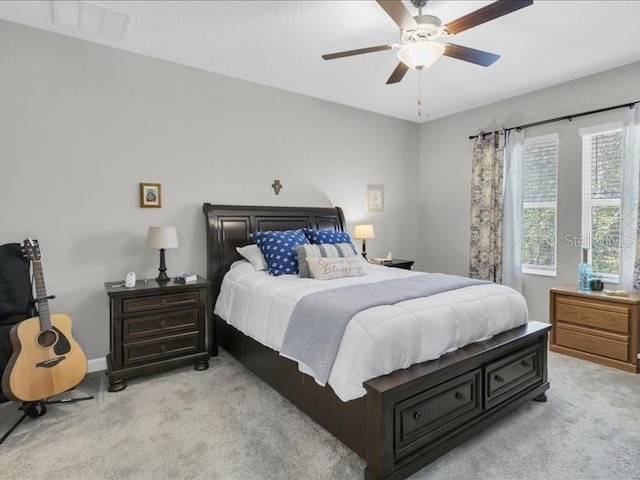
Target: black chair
[16, 305]
[16, 299]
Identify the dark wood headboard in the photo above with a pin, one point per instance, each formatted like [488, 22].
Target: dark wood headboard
[229, 226]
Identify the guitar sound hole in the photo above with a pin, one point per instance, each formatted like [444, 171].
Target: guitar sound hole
[47, 338]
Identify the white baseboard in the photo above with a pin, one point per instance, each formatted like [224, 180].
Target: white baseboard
[97, 365]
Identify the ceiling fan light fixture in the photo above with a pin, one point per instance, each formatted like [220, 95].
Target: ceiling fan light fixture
[420, 55]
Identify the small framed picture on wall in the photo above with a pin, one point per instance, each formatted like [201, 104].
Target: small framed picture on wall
[375, 198]
[150, 195]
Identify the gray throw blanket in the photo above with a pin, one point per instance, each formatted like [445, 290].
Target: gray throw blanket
[318, 320]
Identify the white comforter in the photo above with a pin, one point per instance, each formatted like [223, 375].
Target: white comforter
[379, 340]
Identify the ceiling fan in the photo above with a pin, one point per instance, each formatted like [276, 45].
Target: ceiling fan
[419, 35]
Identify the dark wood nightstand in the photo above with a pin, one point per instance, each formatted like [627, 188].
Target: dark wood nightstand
[155, 327]
[396, 262]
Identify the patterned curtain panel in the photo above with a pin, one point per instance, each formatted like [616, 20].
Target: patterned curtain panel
[485, 257]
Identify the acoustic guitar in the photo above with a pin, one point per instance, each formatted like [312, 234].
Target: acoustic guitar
[46, 359]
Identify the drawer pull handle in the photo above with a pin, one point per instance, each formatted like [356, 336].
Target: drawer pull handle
[498, 378]
[525, 363]
[163, 348]
[163, 323]
[460, 396]
[417, 416]
[163, 301]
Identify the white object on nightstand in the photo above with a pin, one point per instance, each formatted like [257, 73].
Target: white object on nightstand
[130, 280]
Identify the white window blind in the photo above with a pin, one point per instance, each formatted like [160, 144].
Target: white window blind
[602, 149]
[540, 188]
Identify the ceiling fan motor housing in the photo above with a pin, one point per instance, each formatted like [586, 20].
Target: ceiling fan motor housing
[419, 3]
[429, 27]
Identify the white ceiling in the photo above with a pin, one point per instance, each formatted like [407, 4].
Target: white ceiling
[279, 43]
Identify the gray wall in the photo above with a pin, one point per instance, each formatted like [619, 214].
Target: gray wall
[82, 124]
[445, 171]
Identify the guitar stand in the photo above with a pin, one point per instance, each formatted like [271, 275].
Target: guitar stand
[38, 409]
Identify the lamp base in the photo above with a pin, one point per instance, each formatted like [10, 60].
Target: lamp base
[364, 248]
[162, 276]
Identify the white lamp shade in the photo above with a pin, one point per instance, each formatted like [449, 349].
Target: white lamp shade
[363, 232]
[162, 237]
[420, 54]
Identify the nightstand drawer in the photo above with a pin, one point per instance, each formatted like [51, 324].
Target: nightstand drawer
[138, 328]
[593, 314]
[586, 341]
[511, 375]
[156, 349]
[152, 302]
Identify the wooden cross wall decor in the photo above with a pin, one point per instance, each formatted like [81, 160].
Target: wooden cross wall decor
[277, 186]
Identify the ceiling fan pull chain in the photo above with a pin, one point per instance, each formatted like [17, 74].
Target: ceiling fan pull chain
[420, 92]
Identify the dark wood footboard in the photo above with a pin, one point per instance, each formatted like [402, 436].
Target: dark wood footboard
[410, 417]
[418, 414]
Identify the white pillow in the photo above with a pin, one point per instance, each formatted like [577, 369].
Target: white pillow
[328, 268]
[254, 255]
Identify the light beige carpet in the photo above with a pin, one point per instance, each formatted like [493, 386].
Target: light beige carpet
[224, 423]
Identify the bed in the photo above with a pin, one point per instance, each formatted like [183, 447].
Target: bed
[407, 418]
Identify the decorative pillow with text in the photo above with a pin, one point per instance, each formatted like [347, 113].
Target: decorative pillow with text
[321, 251]
[328, 268]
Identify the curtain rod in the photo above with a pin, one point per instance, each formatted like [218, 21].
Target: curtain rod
[566, 117]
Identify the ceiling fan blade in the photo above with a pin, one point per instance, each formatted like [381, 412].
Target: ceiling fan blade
[398, 73]
[398, 13]
[470, 55]
[359, 51]
[486, 14]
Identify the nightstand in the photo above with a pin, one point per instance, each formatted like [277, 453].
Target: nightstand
[396, 262]
[155, 327]
[597, 327]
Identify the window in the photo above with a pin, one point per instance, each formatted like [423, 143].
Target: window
[540, 177]
[601, 197]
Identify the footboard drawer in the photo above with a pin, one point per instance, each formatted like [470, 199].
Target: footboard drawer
[431, 414]
[512, 374]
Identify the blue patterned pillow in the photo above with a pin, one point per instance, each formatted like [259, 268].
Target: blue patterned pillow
[319, 237]
[279, 249]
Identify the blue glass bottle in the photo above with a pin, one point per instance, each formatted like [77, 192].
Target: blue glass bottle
[584, 272]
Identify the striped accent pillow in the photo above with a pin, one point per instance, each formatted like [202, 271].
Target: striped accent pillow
[337, 250]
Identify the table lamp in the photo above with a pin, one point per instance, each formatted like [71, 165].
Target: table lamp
[363, 232]
[162, 238]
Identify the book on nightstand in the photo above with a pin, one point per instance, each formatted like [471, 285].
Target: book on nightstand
[185, 277]
[379, 260]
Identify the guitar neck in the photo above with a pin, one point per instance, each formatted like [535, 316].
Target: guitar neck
[41, 296]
